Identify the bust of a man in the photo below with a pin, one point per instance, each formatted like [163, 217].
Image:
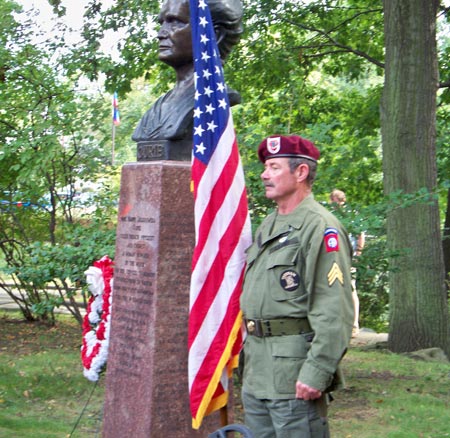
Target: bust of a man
[168, 124]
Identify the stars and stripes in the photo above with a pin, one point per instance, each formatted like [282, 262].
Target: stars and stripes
[222, 228]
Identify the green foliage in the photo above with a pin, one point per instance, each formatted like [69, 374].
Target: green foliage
[375, 262]
[52, 274]
[137, 48]
[132, 107]
[51, 228]
[46, 263]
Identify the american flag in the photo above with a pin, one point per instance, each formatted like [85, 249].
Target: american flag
[116, 116]
[222, 228]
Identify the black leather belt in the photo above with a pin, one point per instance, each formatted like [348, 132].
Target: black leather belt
[277, 327]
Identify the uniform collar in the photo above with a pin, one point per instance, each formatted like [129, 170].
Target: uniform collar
[295, 220]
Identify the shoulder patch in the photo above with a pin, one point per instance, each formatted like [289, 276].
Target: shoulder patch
[331, 239]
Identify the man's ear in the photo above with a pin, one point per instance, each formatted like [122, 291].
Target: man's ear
[302, 172]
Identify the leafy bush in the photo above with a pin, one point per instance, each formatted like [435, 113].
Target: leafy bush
[43, 275]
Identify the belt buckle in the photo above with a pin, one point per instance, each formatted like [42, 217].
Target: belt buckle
[254, 327]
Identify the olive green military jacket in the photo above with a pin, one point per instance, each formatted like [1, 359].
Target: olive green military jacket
[300, 270]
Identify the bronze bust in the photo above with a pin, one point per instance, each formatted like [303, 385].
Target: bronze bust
[165, 130]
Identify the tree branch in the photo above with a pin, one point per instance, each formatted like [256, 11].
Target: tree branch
[335, 42]
[445, 84]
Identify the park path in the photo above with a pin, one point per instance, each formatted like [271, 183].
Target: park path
[7, 303]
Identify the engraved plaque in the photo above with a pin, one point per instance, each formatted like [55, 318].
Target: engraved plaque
[157, 150]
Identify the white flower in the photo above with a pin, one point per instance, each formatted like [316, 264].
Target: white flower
[95, 282]
[96, 310]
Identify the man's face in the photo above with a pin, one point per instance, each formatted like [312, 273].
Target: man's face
[278, 180]
[175, 43]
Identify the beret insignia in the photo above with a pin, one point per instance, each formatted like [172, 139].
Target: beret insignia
[273, 145]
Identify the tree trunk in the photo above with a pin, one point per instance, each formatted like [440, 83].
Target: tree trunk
[418, 309]
[446, 242]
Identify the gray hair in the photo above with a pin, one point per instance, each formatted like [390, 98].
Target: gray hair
[294, 162]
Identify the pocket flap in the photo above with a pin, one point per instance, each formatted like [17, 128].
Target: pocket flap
[286, 256]
[290, 349]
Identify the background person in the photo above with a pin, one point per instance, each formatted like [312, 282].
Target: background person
[296, 300]
[338, 198]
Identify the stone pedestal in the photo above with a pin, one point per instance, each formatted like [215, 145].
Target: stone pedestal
[156, 150]
[146, 379]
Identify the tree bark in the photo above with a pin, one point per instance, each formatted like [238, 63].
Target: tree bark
[418, 308]
[446, 242]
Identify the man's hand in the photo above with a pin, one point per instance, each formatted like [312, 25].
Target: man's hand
[305, 392]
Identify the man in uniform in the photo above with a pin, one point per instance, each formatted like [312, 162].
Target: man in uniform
[297, 299]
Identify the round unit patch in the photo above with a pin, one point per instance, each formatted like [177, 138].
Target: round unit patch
[332, 242]
[289, 280]
[331, 239]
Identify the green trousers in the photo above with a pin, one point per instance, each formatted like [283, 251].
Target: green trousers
[294, 418]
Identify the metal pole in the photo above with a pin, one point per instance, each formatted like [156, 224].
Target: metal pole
[113, 142]
[224, 416]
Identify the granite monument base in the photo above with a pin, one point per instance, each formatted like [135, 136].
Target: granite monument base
[146, 379]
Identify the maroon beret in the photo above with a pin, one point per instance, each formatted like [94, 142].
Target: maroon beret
[287, 146]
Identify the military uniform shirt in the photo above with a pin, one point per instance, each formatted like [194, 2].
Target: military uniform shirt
[297, 267]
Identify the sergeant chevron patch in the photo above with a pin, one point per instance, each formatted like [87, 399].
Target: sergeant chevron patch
[335, 274]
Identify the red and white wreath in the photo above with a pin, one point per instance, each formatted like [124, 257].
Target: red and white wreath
[97, 321]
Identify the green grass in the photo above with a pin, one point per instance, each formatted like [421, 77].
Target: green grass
[42, 388]
[392, 396]
[43, 392]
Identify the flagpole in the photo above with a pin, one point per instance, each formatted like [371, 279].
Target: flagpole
[113, 142]
[224, 416]
[115, 122]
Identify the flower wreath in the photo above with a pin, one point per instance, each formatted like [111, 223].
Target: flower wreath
[97, 321]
